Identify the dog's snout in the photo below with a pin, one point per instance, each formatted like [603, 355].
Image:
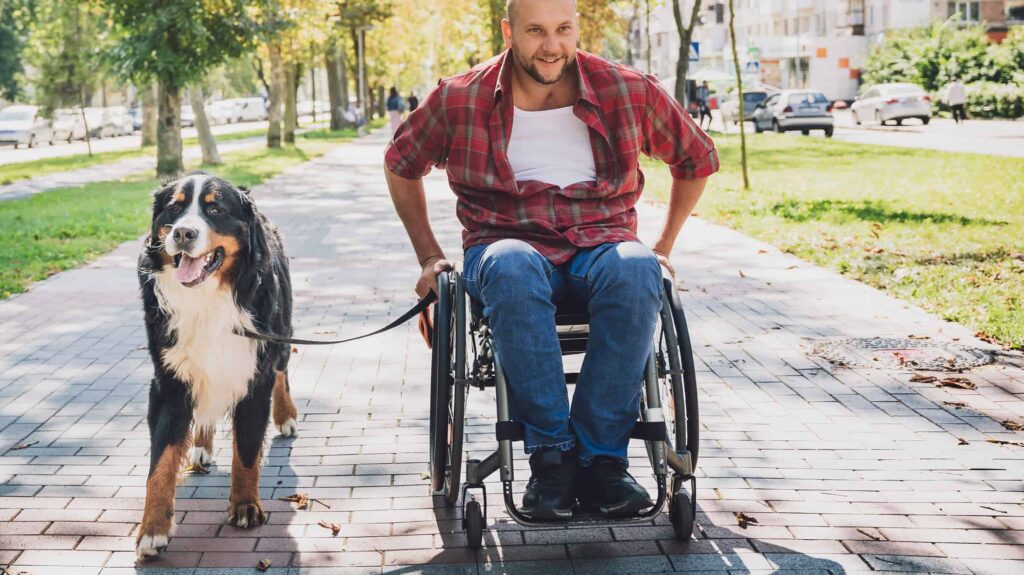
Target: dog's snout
[184, 236]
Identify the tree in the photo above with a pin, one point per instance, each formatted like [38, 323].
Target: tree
[175, 43]
[600, 21]
[495, 11]
[207, 143]
[685, 37]
[739, 94]
[14, 17]
[148, 93]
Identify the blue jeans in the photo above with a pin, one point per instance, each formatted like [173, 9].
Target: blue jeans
[519, 288]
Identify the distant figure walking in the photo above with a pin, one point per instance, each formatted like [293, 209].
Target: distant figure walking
[414, 102]
[704, 104]
[395, 108]
[956, 97]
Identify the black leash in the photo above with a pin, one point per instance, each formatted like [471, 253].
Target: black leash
[417, 309]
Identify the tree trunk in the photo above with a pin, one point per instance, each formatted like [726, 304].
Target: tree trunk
[206, 140]
[276, 89]
[739, 94]
[334, 89]
[148, 115]
[496, 12]
[685, 36]
[381, 101]
[290, 115]
[168, 131]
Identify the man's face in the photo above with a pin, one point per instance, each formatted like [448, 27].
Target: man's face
[542, 37]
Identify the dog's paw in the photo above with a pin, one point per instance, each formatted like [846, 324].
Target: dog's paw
[246, 515]
[150, 544]
[289, 428]
[201, 456]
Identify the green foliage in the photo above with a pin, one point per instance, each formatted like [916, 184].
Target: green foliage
[177, 41]
[992, 100]
[14, 16]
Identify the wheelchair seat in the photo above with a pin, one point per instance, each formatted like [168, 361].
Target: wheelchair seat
[572, 321]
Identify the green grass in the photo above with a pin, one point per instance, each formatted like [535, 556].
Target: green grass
[57, 230]
[31, 169]
[943, 230]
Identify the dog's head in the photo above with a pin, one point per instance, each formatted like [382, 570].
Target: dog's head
[202, 227]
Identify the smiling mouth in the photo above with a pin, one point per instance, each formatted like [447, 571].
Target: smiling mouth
[550, 61]
[193, 271]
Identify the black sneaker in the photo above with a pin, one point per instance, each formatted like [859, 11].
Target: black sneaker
[607, 487]
[549, 492]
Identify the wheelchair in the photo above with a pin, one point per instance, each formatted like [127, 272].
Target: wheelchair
[463, 357]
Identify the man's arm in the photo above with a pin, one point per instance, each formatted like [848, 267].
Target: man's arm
[685, 195]
[411, 204]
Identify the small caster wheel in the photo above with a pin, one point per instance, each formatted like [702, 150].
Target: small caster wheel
[681, 515]
[473, 522]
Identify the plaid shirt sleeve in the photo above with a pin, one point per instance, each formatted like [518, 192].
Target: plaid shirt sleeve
[421, 141]
[670, 135]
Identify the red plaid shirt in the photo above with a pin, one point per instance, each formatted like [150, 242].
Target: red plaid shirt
[465, 125]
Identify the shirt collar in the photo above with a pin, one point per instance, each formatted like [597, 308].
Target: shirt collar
[504, 83]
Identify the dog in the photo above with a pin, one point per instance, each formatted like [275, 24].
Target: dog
[211, 266]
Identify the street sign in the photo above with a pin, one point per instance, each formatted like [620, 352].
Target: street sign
[753, 67]
[695, 51]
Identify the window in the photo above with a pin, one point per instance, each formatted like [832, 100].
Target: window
[719, 13]
[968, 11]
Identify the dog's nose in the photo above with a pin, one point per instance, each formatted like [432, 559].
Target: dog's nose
[185, 236]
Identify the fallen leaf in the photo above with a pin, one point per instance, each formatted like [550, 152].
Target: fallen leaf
[922, 378]
[957, 382]
[742, 275]
[1012, 425]
[876, 229]
[295, 349]
[870, 535]
[912, 336]
[955, 404]
[792, 267]
[334, 527]
[263, 565]
[962, 441]
[23, 446]
[743, 520]
[300, 499]
[1001, 442]
[197, 468]
[762, 251]
[424, 476]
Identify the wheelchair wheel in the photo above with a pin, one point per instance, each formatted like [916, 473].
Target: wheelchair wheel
[680, 388]
[448, 387]
[680, 513]
[473, 523]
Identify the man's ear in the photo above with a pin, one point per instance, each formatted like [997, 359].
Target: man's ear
[506, 32]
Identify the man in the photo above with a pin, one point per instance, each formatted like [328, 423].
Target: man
[956, 97]
[541, 147]
[704, 104]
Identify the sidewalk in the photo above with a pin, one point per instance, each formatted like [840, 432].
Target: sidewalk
[845, 470]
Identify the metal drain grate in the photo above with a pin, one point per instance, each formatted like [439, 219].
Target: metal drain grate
[903, 354]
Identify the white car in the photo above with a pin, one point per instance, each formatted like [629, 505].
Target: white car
[795, 110]
[892, 102]
[101, 123]
[24, 125]
[188, 117]
[252, 109]
[120, 119]
[224, 111]
[68, 125]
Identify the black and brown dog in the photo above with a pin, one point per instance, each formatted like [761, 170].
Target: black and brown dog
[212, 265]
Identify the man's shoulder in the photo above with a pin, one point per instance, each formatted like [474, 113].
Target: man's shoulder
[596, 66]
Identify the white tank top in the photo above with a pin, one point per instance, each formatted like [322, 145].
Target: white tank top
[551, 146]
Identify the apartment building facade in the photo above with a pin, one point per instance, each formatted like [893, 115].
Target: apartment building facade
[818, 44]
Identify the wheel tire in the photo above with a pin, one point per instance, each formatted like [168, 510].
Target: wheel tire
[856, 118]
[805, 132]
[776, 127]
[440, 391]
[925, 120]
[681, 515]
[899, 121]
[828, 132]
[757, 128]
[32, 141]
[473, 522]
[878, 118]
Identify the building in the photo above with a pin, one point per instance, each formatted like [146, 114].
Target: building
[818, 44]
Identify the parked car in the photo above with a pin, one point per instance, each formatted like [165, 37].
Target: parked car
[188, 117]
[751, 99]
[893, 102]
[24, 125]
[252, 109]
[68, 125]
[101, 123]
[803, 110]
[120, 120]
[224, 111]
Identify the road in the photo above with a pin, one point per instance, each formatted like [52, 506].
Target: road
[996, 137]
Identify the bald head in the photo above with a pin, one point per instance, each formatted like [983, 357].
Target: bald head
[512, 5]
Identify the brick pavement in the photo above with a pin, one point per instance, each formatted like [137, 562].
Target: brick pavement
[846, 470]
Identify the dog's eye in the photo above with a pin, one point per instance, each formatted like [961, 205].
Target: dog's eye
[174, 209]
[214, 211]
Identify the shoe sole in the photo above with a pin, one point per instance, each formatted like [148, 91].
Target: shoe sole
[627, 507]
[546, 513]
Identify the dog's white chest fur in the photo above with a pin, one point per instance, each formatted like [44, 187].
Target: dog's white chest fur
[217, 364]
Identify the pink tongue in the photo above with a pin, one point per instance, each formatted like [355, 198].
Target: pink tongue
[189, 269]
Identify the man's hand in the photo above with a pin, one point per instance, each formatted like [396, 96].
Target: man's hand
[665, 263]
[428, 277]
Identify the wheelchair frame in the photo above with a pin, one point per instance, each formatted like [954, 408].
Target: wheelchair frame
[669, 372]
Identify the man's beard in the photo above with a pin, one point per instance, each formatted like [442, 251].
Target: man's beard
[528, 66]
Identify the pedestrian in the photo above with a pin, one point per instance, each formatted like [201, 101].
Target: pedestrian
[956, 97]
[395, 106]
[414, 102]
[548, 206]
[704, 104]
